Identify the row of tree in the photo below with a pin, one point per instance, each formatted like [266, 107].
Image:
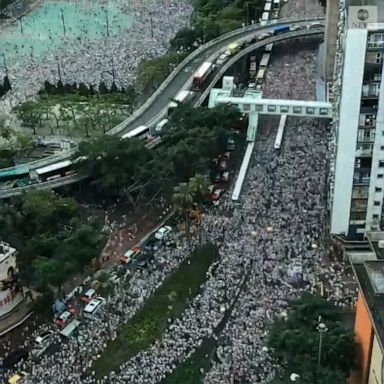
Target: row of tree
[127, 169]
[76, 114]
[82, 89]
[12, 143]
[215, 17]
[52, 236]
[295, 343]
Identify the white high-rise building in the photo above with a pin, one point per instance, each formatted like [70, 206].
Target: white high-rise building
[357, 185]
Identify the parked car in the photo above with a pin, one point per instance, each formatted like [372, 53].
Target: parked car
[63, 319]
[225, 177]
[44, 336]
[163, 232]
[216, 195]
[225, 156]
[88, 296]
[93, 307]
[129, 255]
[17, 377]
[114, 278]
[223, 165]
[262, 36]
[231, 144]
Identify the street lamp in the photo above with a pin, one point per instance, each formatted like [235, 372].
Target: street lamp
[322, 328]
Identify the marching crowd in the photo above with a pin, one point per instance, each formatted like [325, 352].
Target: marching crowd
[94, 59]
[271, 249]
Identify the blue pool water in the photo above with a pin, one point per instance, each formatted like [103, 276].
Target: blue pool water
[42, 30]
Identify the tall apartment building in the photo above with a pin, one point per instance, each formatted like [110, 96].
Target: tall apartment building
[357, 186]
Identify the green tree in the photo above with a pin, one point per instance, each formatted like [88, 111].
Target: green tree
[151, 73]
[295, 341]
[183, 201]
[199, 187]
[185, 40]
[6, 84]
[30, 114]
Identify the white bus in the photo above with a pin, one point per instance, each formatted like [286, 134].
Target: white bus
[260, 76]
[265, 60]
[182, 97]
[140, 132]
[159, 127]
[268, 48]
[54, 171]
[201, 74]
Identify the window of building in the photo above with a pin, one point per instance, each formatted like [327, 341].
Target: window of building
[375, 217]
[381, 163]
[376, 203]
[378, 189]
[381, 147]
[246, 107]
[310, 111]
[284, 109]
[296, 109]
[380, 176]
[259, 108]
[323, 111]
[271, 108]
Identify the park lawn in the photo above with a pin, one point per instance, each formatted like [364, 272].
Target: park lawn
[150, 322]
[194, 369]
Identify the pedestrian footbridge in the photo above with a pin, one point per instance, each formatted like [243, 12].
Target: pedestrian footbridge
[251, 102]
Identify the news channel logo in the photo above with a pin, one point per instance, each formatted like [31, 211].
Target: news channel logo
[360, 16]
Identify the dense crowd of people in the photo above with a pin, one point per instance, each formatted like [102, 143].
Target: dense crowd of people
[271, 249]
[92, 59]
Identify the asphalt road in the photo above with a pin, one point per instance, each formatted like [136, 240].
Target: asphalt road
[183, 76]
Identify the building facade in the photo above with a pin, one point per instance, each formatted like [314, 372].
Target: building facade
[357, 184]
[11, 292]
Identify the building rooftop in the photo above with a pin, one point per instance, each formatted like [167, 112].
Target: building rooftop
[368, 267]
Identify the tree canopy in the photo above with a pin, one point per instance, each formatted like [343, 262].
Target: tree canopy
[295, 342]
[127, 169]
[53, 239]
[215, 17]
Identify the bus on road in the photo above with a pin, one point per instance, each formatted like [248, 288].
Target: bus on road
[140, 132]
[201, 74]
[182, 97]
[54, 171]
[265, 60]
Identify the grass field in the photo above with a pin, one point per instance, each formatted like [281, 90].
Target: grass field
[194, 369]
[150, 322]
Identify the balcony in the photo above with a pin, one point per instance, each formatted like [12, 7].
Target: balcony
[360, 192]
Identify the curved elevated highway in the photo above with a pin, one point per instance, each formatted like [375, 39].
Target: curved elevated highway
[154, 108]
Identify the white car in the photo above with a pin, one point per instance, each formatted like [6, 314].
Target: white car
[222, 59]
[163, 232]
[93, 306]
[44, 336]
